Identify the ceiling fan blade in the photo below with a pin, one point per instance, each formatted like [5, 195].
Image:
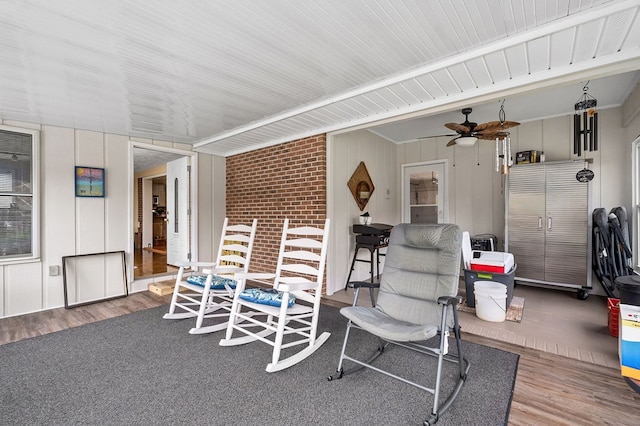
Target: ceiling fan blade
[493, 126]
[487, 136]
[457, 127]
[490, 125]
[452, 142]
[509, 124]
[435, 136]
[491, 136]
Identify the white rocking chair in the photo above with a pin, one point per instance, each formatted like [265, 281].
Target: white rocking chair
[299, 274]
[210, 294]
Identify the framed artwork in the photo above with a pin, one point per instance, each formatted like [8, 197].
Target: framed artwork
[94, 277]
[89, 182]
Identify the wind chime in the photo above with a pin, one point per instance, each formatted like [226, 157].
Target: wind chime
[503, 144]
[585, 123]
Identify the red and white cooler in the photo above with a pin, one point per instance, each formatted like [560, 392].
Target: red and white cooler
[492, 261]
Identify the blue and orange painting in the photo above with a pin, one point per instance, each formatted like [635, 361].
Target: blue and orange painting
[89, 182]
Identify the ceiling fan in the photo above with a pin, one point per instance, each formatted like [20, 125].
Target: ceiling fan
[468, 133]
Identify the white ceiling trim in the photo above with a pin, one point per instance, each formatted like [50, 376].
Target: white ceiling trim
[501, 68]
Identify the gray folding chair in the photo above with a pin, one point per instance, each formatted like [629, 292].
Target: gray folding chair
[417, 301]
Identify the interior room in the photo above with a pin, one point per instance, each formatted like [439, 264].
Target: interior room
[367, 114]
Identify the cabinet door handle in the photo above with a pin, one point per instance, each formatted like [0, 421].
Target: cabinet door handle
[540, 223]
[549, 223]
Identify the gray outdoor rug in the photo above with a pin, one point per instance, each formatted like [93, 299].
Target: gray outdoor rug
[141, 369]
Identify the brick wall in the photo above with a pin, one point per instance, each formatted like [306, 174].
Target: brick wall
[274, 183]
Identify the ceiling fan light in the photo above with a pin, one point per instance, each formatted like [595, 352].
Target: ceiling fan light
[466, 141]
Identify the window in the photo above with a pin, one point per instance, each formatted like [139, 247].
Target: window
[18, 194]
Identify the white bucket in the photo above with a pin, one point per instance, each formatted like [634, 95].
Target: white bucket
[491, 300]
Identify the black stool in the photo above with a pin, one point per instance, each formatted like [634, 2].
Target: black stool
[374, 250]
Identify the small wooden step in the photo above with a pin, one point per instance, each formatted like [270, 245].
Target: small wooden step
[161, 289]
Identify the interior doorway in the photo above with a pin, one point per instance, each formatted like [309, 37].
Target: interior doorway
[151, 214]
[424, 192]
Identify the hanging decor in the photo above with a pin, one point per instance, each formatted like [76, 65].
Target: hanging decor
[585, 123]
[361, 186]
[503, 145]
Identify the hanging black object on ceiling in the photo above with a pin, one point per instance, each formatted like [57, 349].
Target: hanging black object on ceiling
[585, 123]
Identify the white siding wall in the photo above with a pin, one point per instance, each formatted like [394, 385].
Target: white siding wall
[476, 191]
[344, 153]
[71, 226]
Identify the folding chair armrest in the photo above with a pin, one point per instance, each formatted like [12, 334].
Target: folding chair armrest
[363, 284]
[449, 300]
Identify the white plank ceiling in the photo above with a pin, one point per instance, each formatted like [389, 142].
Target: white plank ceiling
[230, 76]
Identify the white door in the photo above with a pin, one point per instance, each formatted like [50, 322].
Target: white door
[424, 193]
[178, 220]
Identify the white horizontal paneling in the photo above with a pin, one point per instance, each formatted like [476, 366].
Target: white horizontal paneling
[517, 60]
[498, 66]
[431, 86]
[631, 34]
[615, 31]
[538, 54]
[463, 78]
[212, 73]
[586, 42]
[480, 72]
[561, 48]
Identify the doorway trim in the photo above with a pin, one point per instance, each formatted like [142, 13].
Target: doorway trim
[133, 214]
[445, 187]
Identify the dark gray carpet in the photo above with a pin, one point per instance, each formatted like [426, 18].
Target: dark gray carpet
[141, 369]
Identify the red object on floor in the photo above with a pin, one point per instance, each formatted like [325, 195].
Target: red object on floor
[613, 315]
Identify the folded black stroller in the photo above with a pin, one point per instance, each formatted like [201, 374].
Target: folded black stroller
[612, 255]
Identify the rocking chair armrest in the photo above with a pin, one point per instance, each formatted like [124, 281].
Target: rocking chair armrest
[449, 300]
[222, 270]
[362, 284]
[289, 287]
[188, 264]
[255, 276]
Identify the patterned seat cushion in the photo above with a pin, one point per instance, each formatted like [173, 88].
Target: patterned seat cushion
[217, 283]
[264, 296]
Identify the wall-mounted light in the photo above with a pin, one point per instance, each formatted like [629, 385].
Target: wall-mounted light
[585, 123]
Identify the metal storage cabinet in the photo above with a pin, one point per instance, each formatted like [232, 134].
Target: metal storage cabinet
[547, 226]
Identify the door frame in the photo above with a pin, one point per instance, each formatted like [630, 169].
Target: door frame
[445, 185]
[131, 223]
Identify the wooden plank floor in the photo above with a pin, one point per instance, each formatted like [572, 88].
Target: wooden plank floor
[549, 389]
